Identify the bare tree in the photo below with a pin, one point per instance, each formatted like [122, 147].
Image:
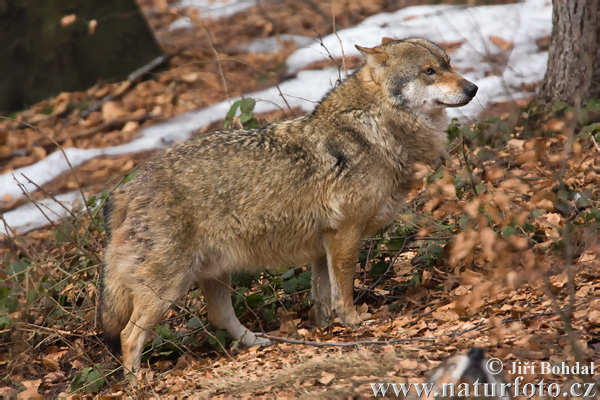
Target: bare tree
[573, 58]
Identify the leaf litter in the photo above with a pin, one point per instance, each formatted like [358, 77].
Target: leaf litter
[500, 245]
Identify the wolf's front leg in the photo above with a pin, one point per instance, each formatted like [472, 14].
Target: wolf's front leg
[217, 292]
[321, 293]
[342, 253]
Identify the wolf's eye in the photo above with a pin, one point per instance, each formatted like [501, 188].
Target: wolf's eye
[429, 71]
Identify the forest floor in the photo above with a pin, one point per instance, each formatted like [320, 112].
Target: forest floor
[498, 248]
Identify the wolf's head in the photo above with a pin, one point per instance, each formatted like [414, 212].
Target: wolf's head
[416, 74]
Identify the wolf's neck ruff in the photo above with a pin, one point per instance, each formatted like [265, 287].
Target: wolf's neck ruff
[401, 136]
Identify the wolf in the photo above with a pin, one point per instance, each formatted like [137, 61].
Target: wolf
[295, 192]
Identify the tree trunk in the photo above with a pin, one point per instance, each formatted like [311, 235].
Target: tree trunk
[39, 57]
[573, 72]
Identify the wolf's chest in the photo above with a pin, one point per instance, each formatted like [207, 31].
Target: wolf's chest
[385, 212]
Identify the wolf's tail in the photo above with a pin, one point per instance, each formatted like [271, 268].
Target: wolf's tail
[114, 306]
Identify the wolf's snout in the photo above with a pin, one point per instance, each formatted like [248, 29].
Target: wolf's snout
[471, 89]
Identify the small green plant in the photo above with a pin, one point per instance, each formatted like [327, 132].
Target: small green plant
[246, 118]
[90, 379]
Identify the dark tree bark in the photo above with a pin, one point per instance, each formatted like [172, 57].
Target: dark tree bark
[573, 58]
[40, 58]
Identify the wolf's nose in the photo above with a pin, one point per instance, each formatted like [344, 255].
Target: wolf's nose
[471, 89]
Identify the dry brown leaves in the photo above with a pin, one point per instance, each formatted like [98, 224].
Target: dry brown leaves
[499, 284]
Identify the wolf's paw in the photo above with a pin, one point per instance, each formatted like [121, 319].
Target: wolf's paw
[350, 318]
[251, 340]
[320, 315]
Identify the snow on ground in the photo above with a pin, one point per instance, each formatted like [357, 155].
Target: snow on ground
[213, 9]
[521, 23]
[29, 217]
[218, 8]
[272, 43]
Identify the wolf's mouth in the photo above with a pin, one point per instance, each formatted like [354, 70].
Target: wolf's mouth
[453, 104]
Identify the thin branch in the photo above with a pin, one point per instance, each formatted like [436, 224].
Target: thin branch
[219, 64]
[339, 39]
[67, 209]
[347, 344]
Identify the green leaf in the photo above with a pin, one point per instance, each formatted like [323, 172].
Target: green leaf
[436, 250]
[593, 105]
[163, 331]
[194, 323]
[95, 380]
[131, 175]
[233, 110]
[559, 105]
[231, 113]
[31, 295]
[255, 300]
[287, 274]
[269, 315]
[91, 378]
[481, 188]
[92, 201]
[252, 124]
[396, 244]
[247, 105]
[529, 227]
[245, 117]
[304, 279]
[509, 231]
[218, 340]
[4, 321]
[380, 268]
[290, 286]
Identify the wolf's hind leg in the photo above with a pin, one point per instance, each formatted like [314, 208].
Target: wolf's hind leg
[321, 293]
[217, 292]
[149, 306]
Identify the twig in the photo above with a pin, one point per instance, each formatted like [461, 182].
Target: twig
[67, 209]
[37, 205]
[219, 64]
[457, 334]
[347, 344]
[339, 39]
[320, 12]
[339, 80]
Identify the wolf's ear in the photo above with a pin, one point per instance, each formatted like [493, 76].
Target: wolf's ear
[385, 40]
[375, 56]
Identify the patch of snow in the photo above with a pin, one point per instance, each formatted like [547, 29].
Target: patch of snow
[29, 217]
[181, 23]
[218, 8]
[270, 44]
